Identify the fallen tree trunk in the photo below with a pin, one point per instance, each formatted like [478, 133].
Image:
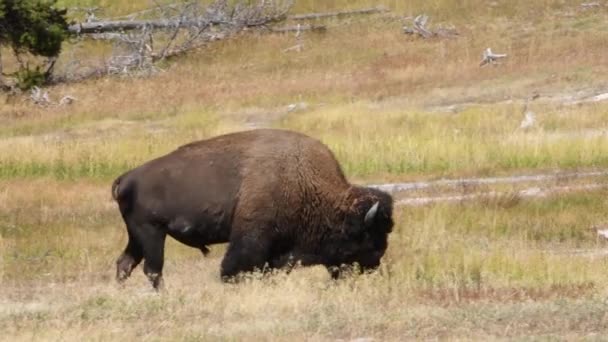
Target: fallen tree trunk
[105, 27]
[308, 16]
[299, 28]
[128, 25]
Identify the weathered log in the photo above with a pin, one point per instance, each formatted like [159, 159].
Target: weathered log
[128, 25]
[308, 16]
[102, 29]
[299, 28]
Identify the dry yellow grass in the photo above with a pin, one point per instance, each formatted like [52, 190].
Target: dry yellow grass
[450, 271]
[510, 269]
[550, 51]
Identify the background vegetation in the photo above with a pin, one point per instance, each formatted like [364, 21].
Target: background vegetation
[393, 108]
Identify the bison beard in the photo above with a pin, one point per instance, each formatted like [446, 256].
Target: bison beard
[277, 197]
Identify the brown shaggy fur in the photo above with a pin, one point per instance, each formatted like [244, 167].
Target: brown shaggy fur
[276, 196]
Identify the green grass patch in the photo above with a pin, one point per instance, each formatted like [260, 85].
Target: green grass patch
[369, 142]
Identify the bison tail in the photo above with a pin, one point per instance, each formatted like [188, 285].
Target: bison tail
[119, 188]
[115, 188]
[122, 192]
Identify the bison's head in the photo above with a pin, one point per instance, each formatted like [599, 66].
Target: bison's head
[363, 236]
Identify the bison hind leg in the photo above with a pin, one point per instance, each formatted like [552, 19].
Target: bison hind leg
[129, 259]
[152, 239]
[205, 250]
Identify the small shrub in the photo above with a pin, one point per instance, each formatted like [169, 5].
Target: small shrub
[28, 78]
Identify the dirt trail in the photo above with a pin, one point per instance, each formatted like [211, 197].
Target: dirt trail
[519, 186]
[534, 192]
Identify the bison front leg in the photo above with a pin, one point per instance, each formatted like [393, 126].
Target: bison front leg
[334, 272]
[291, 260]
[244, 254]
[337, 272]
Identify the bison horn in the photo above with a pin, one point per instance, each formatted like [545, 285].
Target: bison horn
[371, 214]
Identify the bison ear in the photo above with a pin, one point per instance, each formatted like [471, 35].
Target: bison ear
[371, 215]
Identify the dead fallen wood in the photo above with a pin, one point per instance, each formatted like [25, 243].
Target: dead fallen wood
[42, 99]
[220, 13]
[299, 28]
[140, 42]
[309, 16]
[107, 29]
[419, 28]
[491, 58]
[96, 27]
[128, 25]
[125, 38]
[181, 28]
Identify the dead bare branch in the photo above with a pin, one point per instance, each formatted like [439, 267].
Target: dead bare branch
[176, 30]
[419, 28]
[297, 48]
[490, 58]
[40, 97]
[67, 100]
[218, 13]
[171, 40]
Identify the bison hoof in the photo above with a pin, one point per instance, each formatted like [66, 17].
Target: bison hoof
[335, 272]
[229, 279]
[124, 267]
[121, 276]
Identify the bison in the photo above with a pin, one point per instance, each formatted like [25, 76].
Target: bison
[276, 196]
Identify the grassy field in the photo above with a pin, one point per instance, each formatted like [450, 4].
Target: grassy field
[393, 108]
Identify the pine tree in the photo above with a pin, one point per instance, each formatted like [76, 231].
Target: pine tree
[35, 27]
